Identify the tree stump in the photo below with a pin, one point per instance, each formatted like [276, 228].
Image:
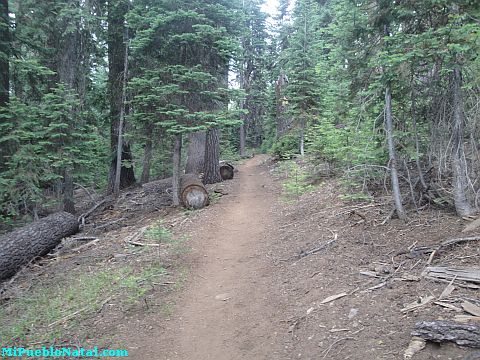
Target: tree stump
[226, 171]
[19, 247]
[193, 192]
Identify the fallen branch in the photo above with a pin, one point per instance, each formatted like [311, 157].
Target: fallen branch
[327, 351]
[450, 273]
[81, 218]
[318, 248]
[435, 248]
[443, 331]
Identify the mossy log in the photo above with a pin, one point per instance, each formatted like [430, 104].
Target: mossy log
[19, 247]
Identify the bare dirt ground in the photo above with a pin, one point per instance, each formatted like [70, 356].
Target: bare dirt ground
[255, 292]
[229, 307]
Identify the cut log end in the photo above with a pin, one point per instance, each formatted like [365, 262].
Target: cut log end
[226, 171]
[193, 192]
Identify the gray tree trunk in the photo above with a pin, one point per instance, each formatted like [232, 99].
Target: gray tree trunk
[242, 136]
[69, 72]
[397, 196]
[68, 200]
[147, 155]
[116, 64]
[118, 165]
[302, 136]
[211, 174]
[19, 247]
[196, 152]
[460, 183]
[417, 142]
[176, 176]
[5, 48]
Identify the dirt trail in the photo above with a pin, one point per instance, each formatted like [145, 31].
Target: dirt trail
[225, 310]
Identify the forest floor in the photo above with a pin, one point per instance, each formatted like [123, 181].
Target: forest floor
[253, 276]
[253, 292]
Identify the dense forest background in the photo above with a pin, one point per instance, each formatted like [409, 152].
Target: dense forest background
[103, 94]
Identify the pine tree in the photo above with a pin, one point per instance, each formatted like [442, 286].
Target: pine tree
[303, 86]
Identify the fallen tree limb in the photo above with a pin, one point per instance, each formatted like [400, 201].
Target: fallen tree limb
[318, 248]
[443, 331]
[450, 273]
[81, 218]
[422, 250]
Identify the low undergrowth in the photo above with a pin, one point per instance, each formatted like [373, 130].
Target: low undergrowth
[45, 313]
[295, 180]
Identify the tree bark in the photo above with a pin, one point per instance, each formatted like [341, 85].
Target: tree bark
[397, 196]
[19, 247]
[118, 165]
[196, 152]
[177, 157]
[116, 58]
[280, 89]
[68, 199]
[5, 49]
[69, 73]
[417, 142]
[4, 72]
[211, 174]
[147, 155]
[442, 331]
[242, 136]
[302, 136]
[460, 183]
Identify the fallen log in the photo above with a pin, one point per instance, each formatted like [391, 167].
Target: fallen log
[19, 247]
[193, 192]
[442, 331]
[226, 171]
[450, 273]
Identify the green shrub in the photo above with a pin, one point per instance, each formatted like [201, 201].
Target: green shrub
[286, 147]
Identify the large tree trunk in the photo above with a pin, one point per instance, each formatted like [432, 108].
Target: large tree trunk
[280, 89]
[242, 136]
[196, 152]
[397, 196]
[177, 158]
[5, 50]
[68, 199]
[121, 126]
[211, 174]
[4, 71]
[116, 58]
[69, 72]
[460, 183]
[19, 247]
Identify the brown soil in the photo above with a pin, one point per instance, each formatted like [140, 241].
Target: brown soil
[250, 295]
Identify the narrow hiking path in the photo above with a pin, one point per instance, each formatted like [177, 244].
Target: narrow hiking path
[225, 310]
[249, 295]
